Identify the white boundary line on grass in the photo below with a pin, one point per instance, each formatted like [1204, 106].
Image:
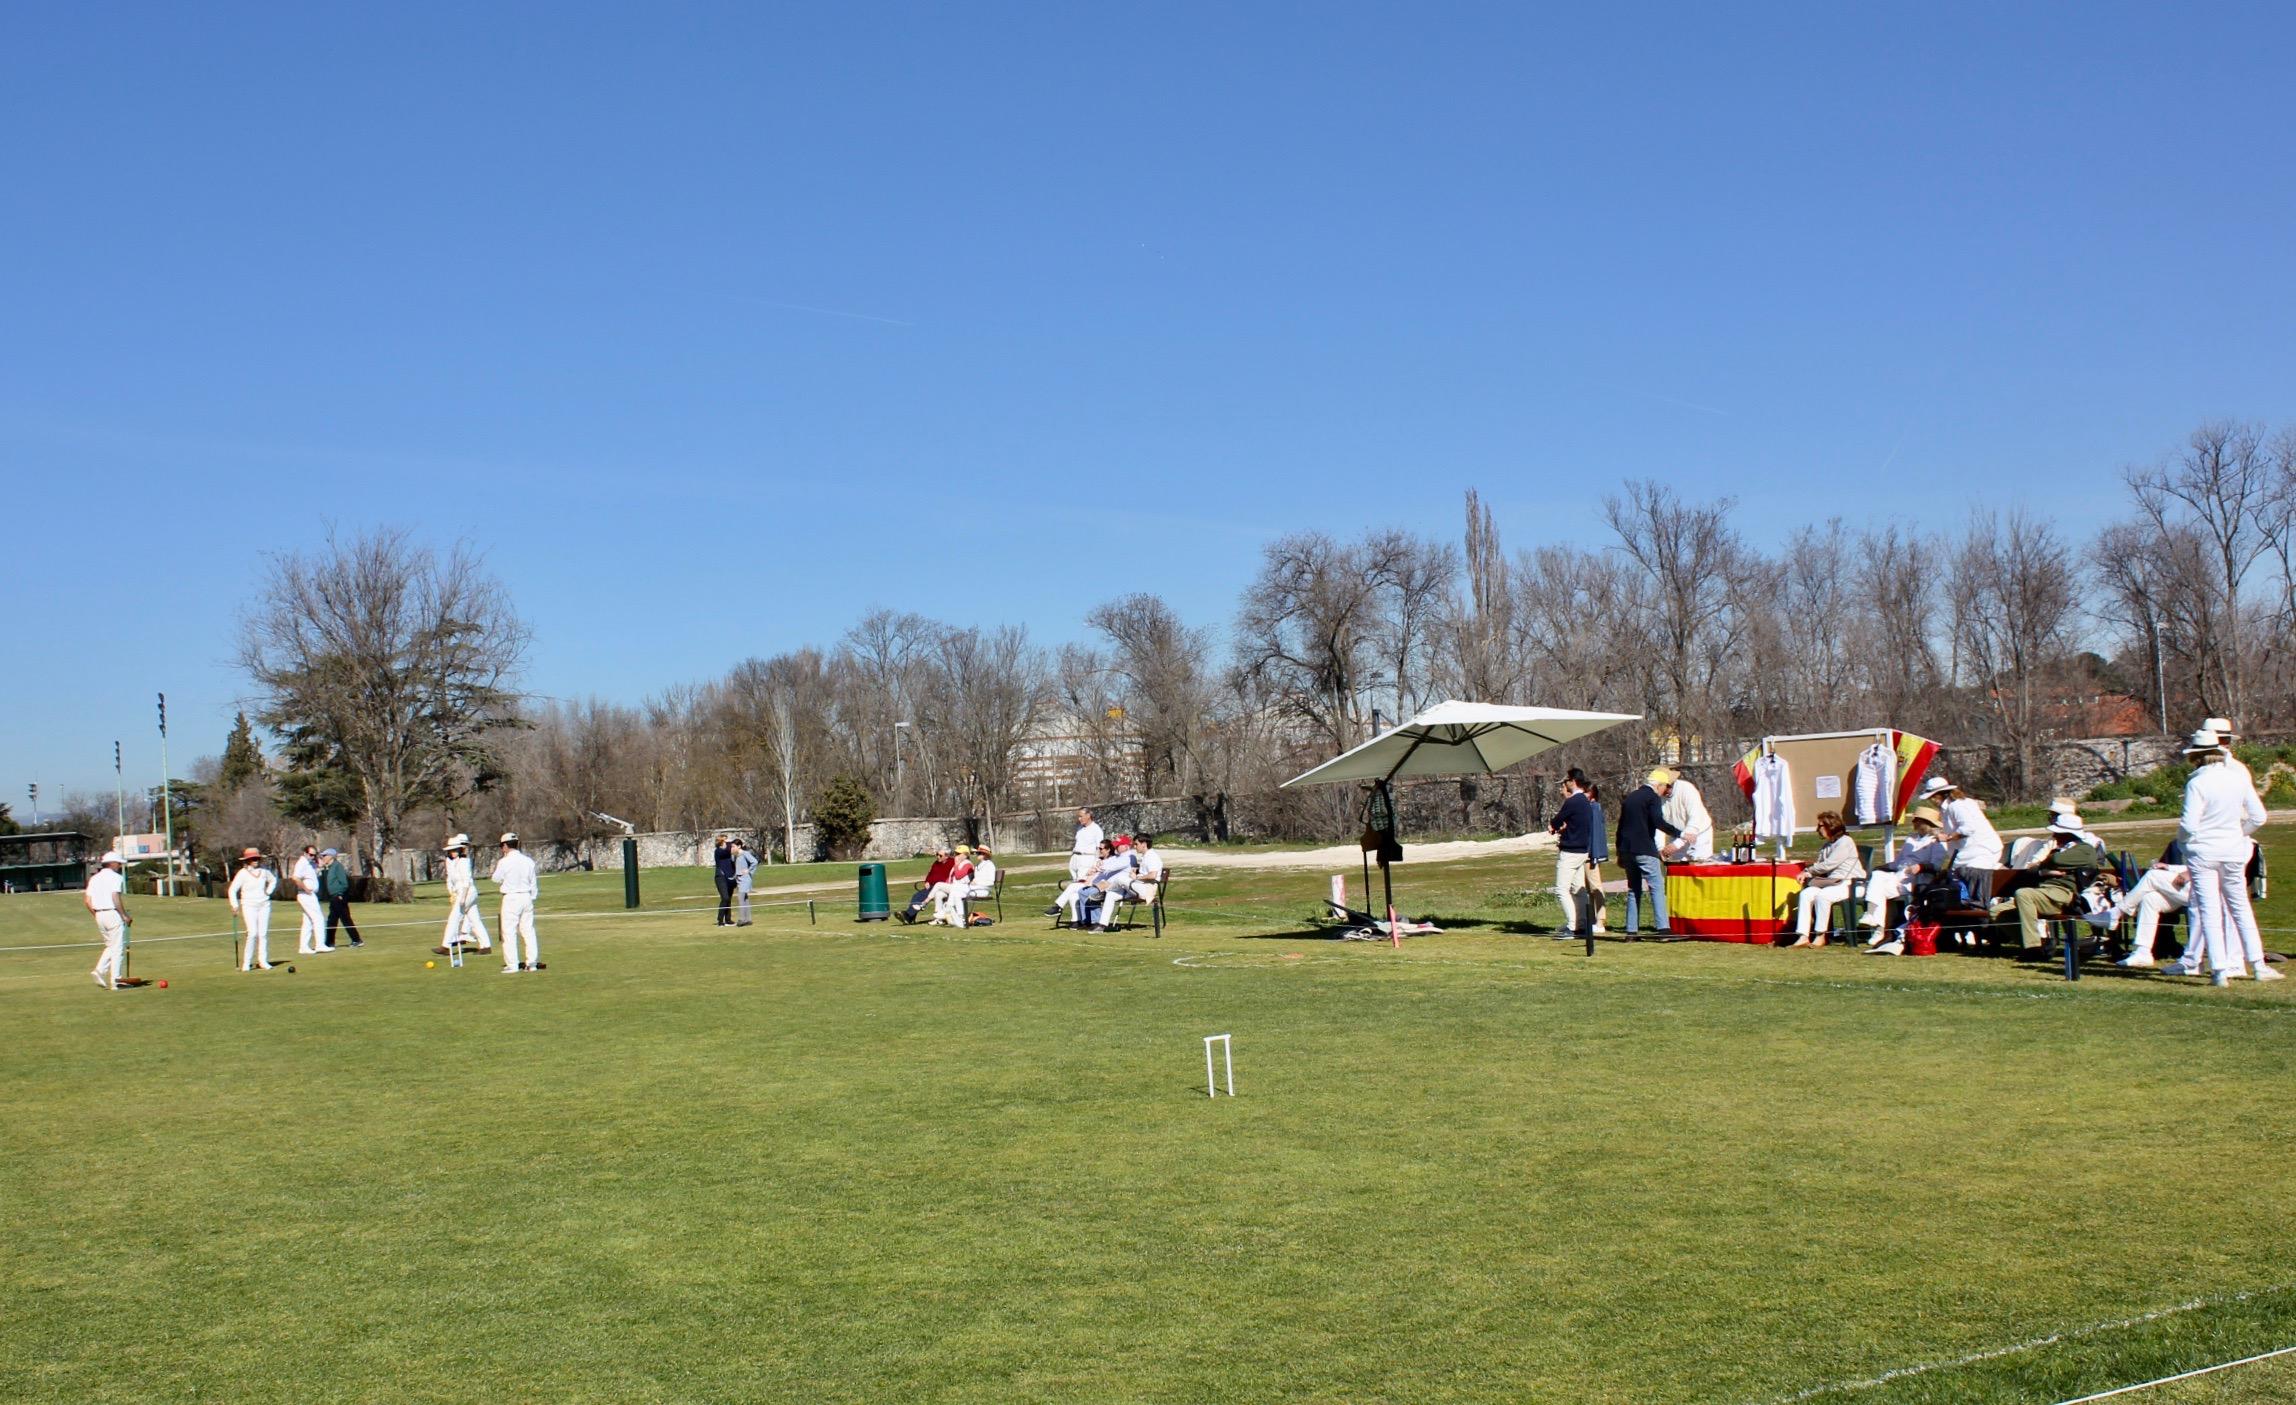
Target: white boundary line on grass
[2033, 1344]
[2180, 1376]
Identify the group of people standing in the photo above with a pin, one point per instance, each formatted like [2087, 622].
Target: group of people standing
[736, 868]
[1663, 805]
[322, 874]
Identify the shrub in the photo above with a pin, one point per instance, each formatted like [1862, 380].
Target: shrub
[841, 815]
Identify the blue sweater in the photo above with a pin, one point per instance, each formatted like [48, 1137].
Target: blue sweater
[1575, 823]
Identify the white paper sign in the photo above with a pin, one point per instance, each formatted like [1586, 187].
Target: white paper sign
[1828, 787]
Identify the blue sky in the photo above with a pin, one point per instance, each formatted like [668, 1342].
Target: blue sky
[715, 326]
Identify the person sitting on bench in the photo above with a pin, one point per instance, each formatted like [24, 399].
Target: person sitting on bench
[1138, 881]
[1092, 884]
[944, 859]
[2164, 888]
[1920, 860]
[2051, 885]
[980, 883]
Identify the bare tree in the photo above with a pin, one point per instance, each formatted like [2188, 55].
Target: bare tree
[2012, 593]
[1689, 559]
[390, 661]
[1161, 669]
[2222, 489]
[1484, 628]
[1307, 634]
[989, 691]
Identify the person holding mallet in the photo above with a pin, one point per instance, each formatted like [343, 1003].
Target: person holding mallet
[463, 921]
[250, 895]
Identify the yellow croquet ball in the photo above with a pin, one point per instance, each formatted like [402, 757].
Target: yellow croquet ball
[430, 965]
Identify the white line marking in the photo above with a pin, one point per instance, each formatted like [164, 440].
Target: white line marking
[2034, 1344]
[2180, 1376]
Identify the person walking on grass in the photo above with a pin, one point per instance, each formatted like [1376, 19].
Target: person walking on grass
[463, 920]
[250, 896]
[520, 883]
[305, 876]
[107, 899]
[335, 883]
[2221, 811]
[1641, 819]
[1573, 828]
[744, 865]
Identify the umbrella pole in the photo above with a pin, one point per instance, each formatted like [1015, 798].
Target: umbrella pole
[1387, 885]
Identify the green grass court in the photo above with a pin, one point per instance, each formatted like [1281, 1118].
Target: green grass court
[845, 1163]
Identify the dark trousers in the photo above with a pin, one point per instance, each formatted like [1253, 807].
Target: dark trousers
[339, 911]
[724, 901]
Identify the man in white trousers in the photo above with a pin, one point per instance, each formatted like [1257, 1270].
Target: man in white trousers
[2164, 888]
[2221, 810]
[515, 874]
[1084, 852]
[106, 897]
[464, 925]
[250, 895]
[305, 876]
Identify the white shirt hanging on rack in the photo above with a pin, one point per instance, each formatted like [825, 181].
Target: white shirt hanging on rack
[1773, 798]
[1871, 787]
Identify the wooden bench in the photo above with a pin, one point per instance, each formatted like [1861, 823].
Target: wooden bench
[1127, 916]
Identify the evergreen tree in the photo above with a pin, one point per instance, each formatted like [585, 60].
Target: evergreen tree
[242, 758]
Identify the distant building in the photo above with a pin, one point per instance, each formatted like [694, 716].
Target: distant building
[39, 863]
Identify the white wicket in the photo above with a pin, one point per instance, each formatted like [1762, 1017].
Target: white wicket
[1228, 1054]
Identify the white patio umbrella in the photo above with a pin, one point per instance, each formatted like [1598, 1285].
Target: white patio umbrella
[1461, 739]
[1456, 739]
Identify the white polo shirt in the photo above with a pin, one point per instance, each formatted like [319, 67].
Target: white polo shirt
[516, 875]
[306, 875]
[105, 888]
[1088, 837]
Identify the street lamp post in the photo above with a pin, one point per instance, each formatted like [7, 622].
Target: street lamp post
[166, 795]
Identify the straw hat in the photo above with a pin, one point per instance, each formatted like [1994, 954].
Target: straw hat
[1926, 814]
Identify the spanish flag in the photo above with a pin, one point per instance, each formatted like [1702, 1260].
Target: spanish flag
[1915, 755]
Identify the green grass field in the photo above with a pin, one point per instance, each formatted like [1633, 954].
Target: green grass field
[865, 1163]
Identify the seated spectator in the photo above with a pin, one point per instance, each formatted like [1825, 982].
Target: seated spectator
[1827, 879]
[2055, 879]
[980, 883]
[1137, 881]
[1080, 895]
[1075, 887]
[944, 859]
[1919, 860]
[960, 874]
[2164, 888]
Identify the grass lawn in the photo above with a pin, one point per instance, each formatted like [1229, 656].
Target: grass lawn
[866, 1163]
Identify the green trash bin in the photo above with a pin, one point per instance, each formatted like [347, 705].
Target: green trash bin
[875, 906]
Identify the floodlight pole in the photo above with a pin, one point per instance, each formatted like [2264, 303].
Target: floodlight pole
[166, 795]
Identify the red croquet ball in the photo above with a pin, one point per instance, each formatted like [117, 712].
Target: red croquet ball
[163, 985]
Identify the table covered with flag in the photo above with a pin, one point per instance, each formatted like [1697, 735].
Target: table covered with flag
[1732, 902]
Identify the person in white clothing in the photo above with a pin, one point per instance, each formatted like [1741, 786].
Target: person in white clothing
[2164, 888]
[1827, 880]
[1137, 881]
[305, 876]
[1685, 809]
[1108, 865]
[250, 896]
[2251, 940]
[1084, 852]
[464, 924]
[515, 874]
[950, 909]
[2221, 811]
[106, 898]
[1923, 854]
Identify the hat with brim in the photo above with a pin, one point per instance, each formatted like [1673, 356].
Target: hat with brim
[1660, 776]
[510, 838]
[2203, 740]
[329, 853]
[2065, 823]
[2222, 726]
[460, 841]
[110, 857]
[1936, 785]
[251, 853]
[1925, 814]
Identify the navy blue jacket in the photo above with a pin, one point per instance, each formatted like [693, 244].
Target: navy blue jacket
[1574, 824]
[725, 863]
[1641, 818]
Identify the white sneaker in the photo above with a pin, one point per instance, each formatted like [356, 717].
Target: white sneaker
[2221, 978]
[1888, 948]
[2135, 961]
[97, 977]
[1876, 940]
[510, 970]
[2266, 973]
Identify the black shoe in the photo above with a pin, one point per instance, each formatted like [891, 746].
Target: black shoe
[356, 942]
[1052, 911]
